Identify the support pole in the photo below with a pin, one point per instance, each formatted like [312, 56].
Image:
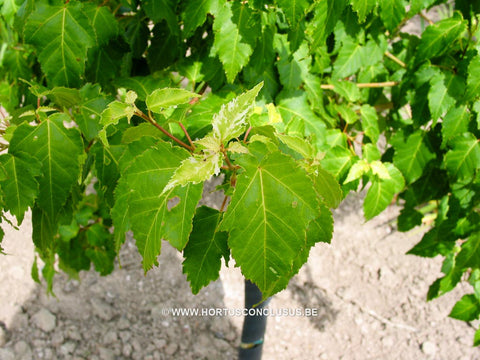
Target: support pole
[254, 327]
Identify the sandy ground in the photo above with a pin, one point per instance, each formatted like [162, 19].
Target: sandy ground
[369, 296]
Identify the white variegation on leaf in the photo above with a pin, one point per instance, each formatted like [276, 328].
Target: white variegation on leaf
[113, 114]
[237, 148]
[230, 121]
[210, 142]
[379, 169]
[358, 169]
[195, 169]
[131, 97]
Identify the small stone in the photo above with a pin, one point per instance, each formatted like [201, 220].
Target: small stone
[7, 354]
[429, 348]
[160, 343]
[125, 336]
[102, 309]
[136, 345]
[48, 353]
[68, 348]
[123, 323]
[106, 354]
[171, 349]
[127, 350]
[73, 334]
[110, 337]
[44, 320]
[23, 351]
[57, 339]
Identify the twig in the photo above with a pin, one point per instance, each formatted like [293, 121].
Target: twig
[394, 58]
[222, 208]
[379, 317]
[424, 17]
[364, 85]
[187, 135]
[154, 123]
[246, 134]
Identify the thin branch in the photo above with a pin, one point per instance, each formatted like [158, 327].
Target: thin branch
[364, 85]
[246, 134]
[187, 135]
[154, 123]
[224, 203]
[227, 160]
[394, 58]
[424, 17]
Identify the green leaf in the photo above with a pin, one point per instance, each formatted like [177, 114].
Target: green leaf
[363, 8]
[59, 150]
[204, 249]
[469, 256]
[298, 145]
[273, 203]
[101, 251]
[115, 111]
[105, 63]
[328, 188]
[347, 89]
[392, 13]
[463, 160]
[319, 230]
[120, 212]
[196, 13]
[236, 29]
[230, 121]
[455, 123]
[294, 106]
[382, 191]
[359, 169]
[292, 69]
[438, 38]
[412, 155]
[408, 219]
[338, 161]
[370, 122]
[294, 10]
[326, 15]
[473, 79]
[8, 10]
[466, 309]
[20, 187]
[103, 22]
[439, 98]
[165, 48]
[161, 99]
[143, 85]
[153, 214]
[195, 169]
[158, 10]
[90, 107]
[349, 60]
[62, 36]
[353, 56]
[476, 338]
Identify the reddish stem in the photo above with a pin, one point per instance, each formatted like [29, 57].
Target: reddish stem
[222, 208]
[187, 135]
[154, 123]
[246, 134]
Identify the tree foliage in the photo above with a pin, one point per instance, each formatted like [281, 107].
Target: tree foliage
[296, 103]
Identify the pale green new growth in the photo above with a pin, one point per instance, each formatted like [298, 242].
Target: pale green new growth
[230, 122]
